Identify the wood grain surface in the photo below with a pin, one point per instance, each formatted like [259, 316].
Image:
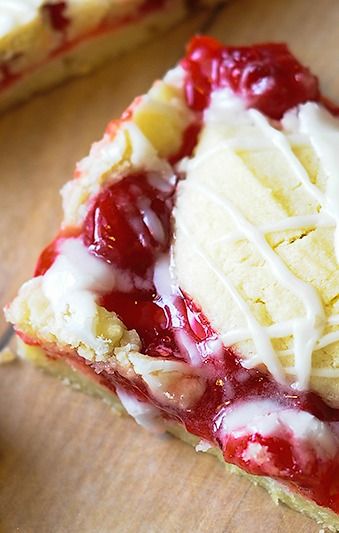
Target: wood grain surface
[67, 465]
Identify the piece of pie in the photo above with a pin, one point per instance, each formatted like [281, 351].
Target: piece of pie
[43, 42]
[194, 282]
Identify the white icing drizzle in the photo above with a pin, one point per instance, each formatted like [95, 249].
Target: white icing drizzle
[279, 140]
[170, 382]
[188, 347]
[144, 413]
[151, 220]
[323, 372]
[268, 418]
[322, 130]
[72, 285]
[166, 286]
[279, 329]
[276, 331]
[162, 276]
[260, 337]
[290, 223]
[307, 329]
[314, 126]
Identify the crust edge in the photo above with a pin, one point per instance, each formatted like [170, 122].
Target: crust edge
[278, 492]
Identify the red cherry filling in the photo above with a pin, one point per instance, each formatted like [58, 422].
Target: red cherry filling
[158, 323]
[7, 70]
[128, 225]
[128, 222]
[189, 142]
[55, 13]
[276, 458]
[50, 253]
[152, 5]
[171, 325]
[267, 76]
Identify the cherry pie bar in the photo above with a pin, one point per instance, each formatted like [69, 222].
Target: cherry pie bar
[194, 283]
[43, 42]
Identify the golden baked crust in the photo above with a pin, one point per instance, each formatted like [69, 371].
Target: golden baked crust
[36, 55]
[278, 492]
[253, 248]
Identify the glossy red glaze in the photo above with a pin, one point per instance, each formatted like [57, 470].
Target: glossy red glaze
[47, 258]
[315, 479]
[120, 214]
[49, 254]
[118, 229]
[189, 142]
[55, 13]
[158, 320]
[7, 77]
[266, 76]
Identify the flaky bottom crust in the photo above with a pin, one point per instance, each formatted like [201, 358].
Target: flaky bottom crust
[279, 493]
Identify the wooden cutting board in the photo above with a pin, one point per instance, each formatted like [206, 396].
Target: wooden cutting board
[67, 465]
